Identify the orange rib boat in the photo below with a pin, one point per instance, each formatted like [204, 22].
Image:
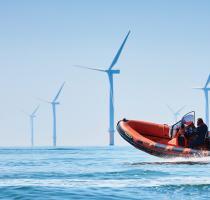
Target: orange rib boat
[160, 139]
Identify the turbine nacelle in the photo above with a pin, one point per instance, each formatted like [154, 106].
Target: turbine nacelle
[55, 103]
[205, 88]
[113, 71]
[32, 116]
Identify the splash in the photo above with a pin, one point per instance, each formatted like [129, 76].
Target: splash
[177, 161]
[195, 160]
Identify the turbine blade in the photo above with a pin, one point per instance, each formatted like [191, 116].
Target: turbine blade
[43, 100]
[119, 52]
[56, 97]
[170, 109]
[207, 83]
[24, 112]
[90, 68]
[198, 88]
[37, 108]
[178, 112]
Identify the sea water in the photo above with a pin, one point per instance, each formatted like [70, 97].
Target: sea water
[100, 173]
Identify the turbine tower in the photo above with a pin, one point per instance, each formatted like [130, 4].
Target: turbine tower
[175, 113]
[206, 90]
[110, 73]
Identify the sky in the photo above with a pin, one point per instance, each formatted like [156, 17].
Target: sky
[166, 55]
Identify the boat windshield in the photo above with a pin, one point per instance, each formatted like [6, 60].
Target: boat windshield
[187, 119]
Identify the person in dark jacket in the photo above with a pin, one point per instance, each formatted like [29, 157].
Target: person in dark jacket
[200, 134]
[189, 134]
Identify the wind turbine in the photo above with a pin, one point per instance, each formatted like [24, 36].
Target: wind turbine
[32, 117]
[110, 72]
[176, 113]
[206, 90]
[54, 103]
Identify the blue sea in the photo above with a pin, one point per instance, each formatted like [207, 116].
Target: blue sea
[100, 173]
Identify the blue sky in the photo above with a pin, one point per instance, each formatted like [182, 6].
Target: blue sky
[166, 55]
